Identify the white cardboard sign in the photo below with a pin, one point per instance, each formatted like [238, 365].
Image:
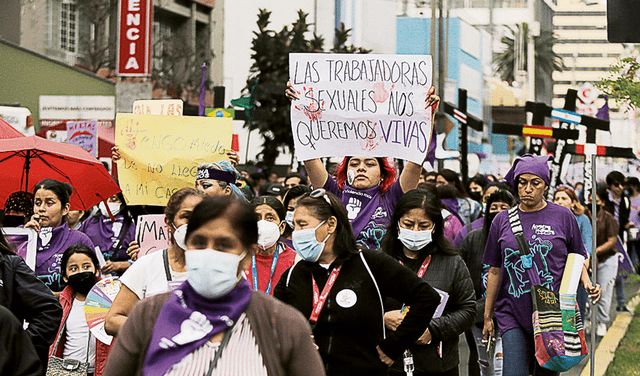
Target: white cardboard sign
[359, 104]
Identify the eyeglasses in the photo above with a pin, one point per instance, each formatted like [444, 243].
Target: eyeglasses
[321, 192]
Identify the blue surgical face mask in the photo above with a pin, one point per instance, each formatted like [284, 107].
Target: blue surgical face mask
[289, 218]
[414, 240]
[306, 245]
[212, 273]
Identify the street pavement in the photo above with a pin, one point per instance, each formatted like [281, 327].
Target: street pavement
[631, 288]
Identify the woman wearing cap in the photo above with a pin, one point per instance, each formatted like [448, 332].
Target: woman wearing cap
[341, 290]
[367, 186]
[551, 231]
[272, 257]
[112, 236]
[213, 324]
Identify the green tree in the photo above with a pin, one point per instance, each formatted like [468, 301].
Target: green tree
[514, 43]
[265, 102]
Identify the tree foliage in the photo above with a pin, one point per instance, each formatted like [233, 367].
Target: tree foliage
[269, 112]
[623, 83]
[504, 61]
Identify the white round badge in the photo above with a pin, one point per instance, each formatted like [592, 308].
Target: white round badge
[346, 298]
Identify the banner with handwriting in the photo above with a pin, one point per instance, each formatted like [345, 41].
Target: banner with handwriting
[359, 104]
[160, 154]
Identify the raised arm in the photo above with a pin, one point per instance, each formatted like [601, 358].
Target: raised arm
[411, 173]
[318, 175]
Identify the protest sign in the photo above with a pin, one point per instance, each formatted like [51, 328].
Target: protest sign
[160, 154]
[171, 107]
[84, 134]
[26, 243]
[151, 234]
[365, 105]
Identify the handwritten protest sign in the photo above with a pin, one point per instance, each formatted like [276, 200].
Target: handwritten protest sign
[84, 134]
[160, 154]
[366, 105]
[151, 233]
[171, 107]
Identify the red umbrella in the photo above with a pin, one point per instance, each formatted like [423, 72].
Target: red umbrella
[7, 131]
[26, 161]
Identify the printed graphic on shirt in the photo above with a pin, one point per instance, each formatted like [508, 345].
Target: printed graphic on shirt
[371, 235]
[379, 213]
[542, 230]
[519, 283]
[191, 330]
[53, 278]
[484, 275]
[353, 208]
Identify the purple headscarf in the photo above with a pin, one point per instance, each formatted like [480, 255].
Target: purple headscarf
[530, 164]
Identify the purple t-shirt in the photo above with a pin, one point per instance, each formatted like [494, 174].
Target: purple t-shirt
[475, 225]
[552, 233]
[100, 230]
[49, 255]
[368, 210]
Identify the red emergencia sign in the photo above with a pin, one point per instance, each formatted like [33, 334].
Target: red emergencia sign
[134, 37]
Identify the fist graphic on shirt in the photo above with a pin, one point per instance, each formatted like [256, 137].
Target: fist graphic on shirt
[353, 208]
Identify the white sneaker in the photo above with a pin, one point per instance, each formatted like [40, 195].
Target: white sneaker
[601, 331]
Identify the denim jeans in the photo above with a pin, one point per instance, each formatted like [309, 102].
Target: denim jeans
[519, 355]
[607, 271]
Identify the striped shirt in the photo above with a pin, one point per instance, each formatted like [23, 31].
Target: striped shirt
[240, 357]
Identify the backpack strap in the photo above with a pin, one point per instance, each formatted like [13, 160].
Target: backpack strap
[525, 253]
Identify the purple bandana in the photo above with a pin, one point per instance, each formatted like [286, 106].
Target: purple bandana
[101, 230]
[360, 205]
[187, 321]
[530, 164]
[212, 173]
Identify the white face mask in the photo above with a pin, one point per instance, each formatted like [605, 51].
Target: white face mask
[212, 273]
[414, 240]
[268, 234]
[113, 206]
[289, 218]
[179, 236]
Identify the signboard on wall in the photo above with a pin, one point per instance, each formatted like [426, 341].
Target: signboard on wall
[134, 37]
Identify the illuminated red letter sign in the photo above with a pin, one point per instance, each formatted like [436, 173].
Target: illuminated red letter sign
[134, 37]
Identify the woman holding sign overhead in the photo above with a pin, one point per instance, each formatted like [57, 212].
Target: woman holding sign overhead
[160, 271]
[367, 186]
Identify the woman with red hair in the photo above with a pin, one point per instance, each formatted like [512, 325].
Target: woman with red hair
[367, 186]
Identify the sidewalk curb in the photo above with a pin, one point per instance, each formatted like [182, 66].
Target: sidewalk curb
[609, 343]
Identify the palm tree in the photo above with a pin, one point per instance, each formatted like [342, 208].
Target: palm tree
[513, 57]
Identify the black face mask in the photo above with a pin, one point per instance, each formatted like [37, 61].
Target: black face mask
[82, 282]
[476, 196]
[489, 219]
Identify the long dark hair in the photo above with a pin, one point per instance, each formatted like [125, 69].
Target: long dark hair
[501, 195]
[452, 177]
[431, 205]
[344, 243]
[238, 212]
[271, 202]
[78, 248]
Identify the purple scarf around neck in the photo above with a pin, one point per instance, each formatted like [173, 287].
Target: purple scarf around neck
[59, 237]
[188, 320]
[361, 203]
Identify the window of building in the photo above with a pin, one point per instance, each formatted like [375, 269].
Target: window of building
[68, 26]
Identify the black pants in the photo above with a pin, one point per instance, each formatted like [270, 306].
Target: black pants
[451, 372]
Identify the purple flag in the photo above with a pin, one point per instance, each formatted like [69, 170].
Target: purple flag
[202, 90]
[603, 112]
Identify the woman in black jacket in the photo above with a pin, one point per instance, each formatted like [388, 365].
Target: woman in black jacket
[416, 240]
[341, 290]
[29, 299]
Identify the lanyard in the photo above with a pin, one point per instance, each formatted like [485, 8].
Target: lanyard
[423, 268]
[254, 272]
[421, 271]
[318, 298]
